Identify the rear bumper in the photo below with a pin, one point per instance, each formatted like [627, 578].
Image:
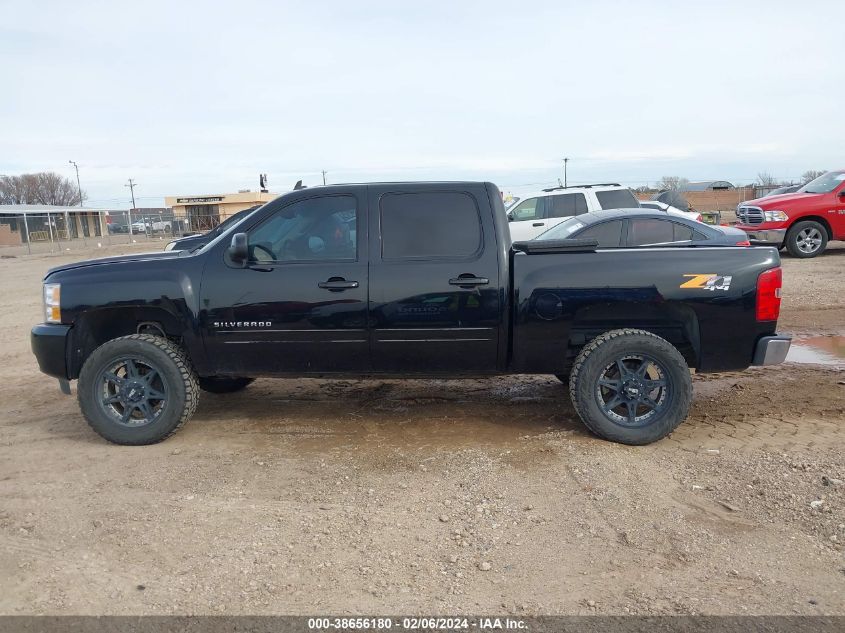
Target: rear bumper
[775, 237]
[49, 344]
[771, 350]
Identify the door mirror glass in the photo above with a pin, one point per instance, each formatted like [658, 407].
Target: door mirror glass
[238, 251]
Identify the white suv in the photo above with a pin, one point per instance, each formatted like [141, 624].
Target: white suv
[538, 212]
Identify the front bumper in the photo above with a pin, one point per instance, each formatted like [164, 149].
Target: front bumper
[771, 350]
[775, 237]
[49, 344]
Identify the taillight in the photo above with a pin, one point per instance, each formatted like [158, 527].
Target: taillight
[743, 243]
[768, 294]
[698, 218]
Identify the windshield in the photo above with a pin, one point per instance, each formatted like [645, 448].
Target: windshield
[824, 184]
[562, 230]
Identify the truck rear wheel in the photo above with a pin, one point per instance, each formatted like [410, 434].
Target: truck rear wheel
[630, 386]
[137, 389]
[222, 384]
[806, 239]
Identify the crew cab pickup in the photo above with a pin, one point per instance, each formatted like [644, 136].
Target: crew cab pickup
[802, 222]
[404, 280]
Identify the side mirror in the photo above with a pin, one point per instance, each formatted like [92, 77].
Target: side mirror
[238, 251]
[510, 216]
[842, 193]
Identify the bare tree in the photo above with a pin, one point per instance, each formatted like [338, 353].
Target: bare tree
[811, 174]
[41, 188]
[765, 179]
[673, 183]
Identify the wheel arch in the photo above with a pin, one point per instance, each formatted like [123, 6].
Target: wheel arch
[814, 218]
[676, 323]
[95, 327]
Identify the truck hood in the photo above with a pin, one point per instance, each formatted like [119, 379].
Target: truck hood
[774, 202]
[120, 259]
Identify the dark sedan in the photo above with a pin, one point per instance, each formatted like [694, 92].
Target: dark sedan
[192, 242]
[619, 228]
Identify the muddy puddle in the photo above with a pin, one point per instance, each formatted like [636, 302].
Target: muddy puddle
[416, 415]
[818, 350]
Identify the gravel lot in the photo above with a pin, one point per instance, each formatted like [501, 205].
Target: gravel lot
[472, 496]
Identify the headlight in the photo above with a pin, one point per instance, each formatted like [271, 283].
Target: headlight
[52, 303]
[775, 216]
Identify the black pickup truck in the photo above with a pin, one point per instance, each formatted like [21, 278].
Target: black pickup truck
[404, 280]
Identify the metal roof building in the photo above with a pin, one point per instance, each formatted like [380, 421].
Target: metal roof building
[25, 223]
[44, 209]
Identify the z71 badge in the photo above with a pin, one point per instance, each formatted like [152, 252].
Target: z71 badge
[707, 281]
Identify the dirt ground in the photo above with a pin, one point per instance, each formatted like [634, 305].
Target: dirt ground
[446, 497]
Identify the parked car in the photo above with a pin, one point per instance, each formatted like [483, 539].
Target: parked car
[427, 284]
[802, 222]
[620, 228]
[782, 190]
[191, 242]
[150, 225]
[668, 208]
[538, 212]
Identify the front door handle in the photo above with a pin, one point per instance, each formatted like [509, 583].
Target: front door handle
[468, 281]
[539, 224]
[337, 284]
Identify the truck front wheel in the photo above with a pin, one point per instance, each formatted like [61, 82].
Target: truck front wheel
[630, 386]
[806, 239]
[137, 389]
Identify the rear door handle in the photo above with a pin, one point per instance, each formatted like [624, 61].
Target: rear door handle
[469, 281]
[337, 284]
[539, 224]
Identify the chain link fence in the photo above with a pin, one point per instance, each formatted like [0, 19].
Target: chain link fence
[39, 233]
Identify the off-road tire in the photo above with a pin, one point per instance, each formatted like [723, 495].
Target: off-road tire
[598, 354]
[173, 367]
[222, 384]
[794, 234]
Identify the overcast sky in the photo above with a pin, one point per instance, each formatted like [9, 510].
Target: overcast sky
[196, 98]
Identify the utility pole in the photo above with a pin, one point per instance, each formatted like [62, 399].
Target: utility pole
[324, 172]
[132, 184]
[79, 186]
[565, 160]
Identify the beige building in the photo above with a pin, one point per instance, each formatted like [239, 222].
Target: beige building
[207, 211]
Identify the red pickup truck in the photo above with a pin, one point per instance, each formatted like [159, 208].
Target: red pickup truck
[802, 222]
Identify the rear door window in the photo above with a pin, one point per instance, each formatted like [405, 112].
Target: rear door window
[566, 205]
[617, 199]
[683, 233]
[644, 231]
[437, 225]
[608, 234]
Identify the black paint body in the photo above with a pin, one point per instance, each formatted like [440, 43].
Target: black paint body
[405, 318]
